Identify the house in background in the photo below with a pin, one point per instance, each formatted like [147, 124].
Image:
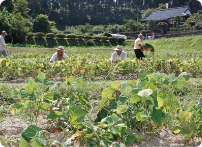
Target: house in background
[168, 15]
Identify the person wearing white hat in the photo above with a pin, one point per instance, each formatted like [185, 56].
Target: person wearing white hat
[59, 54]
[3, 44]
[138, 47]
[119, 53]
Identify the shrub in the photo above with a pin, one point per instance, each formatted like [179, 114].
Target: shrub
[97, 38]
[157, 30]
[61, 36]
[50, 35]
[120, 40]
[104, 38]
[112, 39]
[87, 37]
[173, 29]
[89, 43]
[71, 36]
[79, 37]
[39, 35]
[30, 35]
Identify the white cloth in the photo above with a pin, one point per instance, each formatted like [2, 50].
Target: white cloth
[55, 55]
[123, 56]
[2, 43]
[137, 41]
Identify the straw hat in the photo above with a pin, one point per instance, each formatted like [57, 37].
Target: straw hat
[118, 48]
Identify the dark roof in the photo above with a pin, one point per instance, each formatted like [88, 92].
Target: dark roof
[165, 14]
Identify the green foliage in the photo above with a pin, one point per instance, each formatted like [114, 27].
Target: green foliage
[39, 34]
[21, 8]
[71, 36]
[161, 6]
[112, 39]
[87, 37]
[104, 38]
[50, 35]
[97, 38]
[61, 36]
[42, 24]
[176, 21]
[147, 12]
[120, 40]
[30, 35]
[196, 17]
[80, 37]
[152, 25]
[132, 25]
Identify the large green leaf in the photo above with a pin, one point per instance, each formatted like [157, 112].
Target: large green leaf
[49, 96]
[161, 98]
[40, 138]
[54, 114]
[172, 103]
[125, 89]
[115, 118]
[23, 143]
[182, 83]
[121, 130]
[177, 130]
[171, 77]
[48, 82]
[134, 97]
[141, 116]
[191, 106]
[35, 143]
[107, 93]
[121, 100]
[142, 75]
[156, 116]
[188, 128]
[132, 83]
[69, 80]
[114, 86]
[185, 75]
[122, 108]
[113, 129]
[30, 132]
[139, 84]
[32, 83]
[77, 115]
[151, 86]
[17, 106]
[28, 89]
[40, 78]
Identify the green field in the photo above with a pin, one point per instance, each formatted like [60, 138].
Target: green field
[164, 89]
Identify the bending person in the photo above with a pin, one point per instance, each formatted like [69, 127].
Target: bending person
[59, 55]
[119, 53]
[3, 44]
[137, 47]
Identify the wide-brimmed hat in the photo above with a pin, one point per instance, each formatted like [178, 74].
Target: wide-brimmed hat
[4, 32]
[118, 48]
[140, 35]
[61, 48]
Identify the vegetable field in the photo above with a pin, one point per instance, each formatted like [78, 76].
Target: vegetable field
[87, 101]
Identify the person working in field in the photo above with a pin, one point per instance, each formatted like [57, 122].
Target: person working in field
[119, 53]
[59, 55]
[138, 47]
[3, 44]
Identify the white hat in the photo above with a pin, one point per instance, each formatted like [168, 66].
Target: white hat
[4, 32]
[61, 48]
[118, 48]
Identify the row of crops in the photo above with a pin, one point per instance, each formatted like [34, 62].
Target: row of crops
[146, 104]
[92, 66]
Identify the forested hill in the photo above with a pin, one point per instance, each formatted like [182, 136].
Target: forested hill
[94, 12]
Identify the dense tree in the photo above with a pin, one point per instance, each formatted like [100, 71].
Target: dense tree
[152, 25]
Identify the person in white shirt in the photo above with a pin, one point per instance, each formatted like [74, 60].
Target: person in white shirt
[137, 47]
[3, 44]
[59, 55]
[119, 53]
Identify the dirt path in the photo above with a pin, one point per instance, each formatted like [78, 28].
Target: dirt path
[13, 126]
